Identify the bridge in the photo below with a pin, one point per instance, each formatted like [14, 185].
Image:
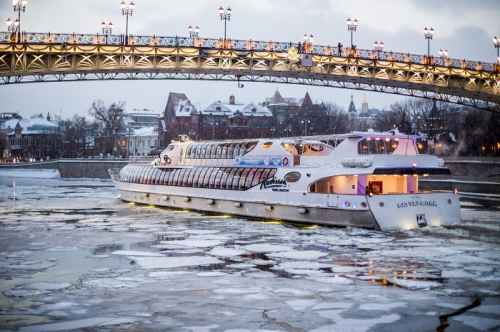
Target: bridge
[48, 57]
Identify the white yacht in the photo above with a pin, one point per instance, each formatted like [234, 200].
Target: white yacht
[361, 179]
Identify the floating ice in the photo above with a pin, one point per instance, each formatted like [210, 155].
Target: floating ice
[79, 324]
[198, 243]
[414, 284]
[382, 306]
[302, 265]
[175, 262]
[237, 291]
[332, 305]
[166, 274]
[264, 247]
[362, 325]
[300, 305]
[201, 328]
[137, 253]
[335, 280]
[300, 255]
[211, 274]
[226, 252]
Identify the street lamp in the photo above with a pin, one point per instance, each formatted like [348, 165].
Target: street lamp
[128, 8]
[225, 15]
[194, 32]
[496, 44]
[19, 6]
[305, 123]
[107, 27]
[428, 34]
[12, 26]
[308, 38]
[352, 26]
[378, 46]
[308, 42]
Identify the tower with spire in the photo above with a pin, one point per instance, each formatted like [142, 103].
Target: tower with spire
[352, 108]
[307, 102]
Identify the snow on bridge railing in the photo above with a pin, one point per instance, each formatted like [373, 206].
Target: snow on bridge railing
[255, 45]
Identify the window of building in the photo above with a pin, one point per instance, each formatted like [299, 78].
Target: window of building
[180, 178]
[174, 177]
[218, 178]
[236, 179]
[206, 178]
[218, 152]
[224, 151]
[377, 145]
[243, 179]
[198, 177]
[213, 174]
[250, 177]
[225, 175]
[230, 151]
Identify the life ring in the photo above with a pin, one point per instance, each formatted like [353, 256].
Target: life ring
[284, 161]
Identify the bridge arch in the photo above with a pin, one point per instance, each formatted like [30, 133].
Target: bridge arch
[60, 58]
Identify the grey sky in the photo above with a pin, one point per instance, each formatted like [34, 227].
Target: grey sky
[463, 27]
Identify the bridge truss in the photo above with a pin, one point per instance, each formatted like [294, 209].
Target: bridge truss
[61, 58]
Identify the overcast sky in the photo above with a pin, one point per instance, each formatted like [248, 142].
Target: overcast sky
[464, 27]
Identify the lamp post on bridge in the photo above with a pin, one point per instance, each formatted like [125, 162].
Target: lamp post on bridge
[428, 34]
[128, 8]
[225, 15]
[19, 6]
[378, 46]
[194, 32]
[496, 44]
[12, 26]
[308, 42]
[107, 28]
[352, 27]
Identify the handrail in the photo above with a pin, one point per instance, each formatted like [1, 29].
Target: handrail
[244, 45]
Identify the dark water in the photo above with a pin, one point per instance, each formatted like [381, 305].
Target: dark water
[74, 257]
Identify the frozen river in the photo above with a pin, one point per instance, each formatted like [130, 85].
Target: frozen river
[74, 257]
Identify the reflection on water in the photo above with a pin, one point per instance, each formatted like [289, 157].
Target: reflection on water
[73, 254]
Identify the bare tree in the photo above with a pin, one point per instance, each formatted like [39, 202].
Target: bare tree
[110, 120]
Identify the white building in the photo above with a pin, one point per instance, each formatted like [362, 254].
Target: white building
[143, 141]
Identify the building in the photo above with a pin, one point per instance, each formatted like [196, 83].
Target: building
[219, 120]
[142, 118]
[36, 138]
[143, 141]
[233, 120]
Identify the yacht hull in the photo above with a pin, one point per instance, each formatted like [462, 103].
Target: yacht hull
[382, 212]
[268, 210]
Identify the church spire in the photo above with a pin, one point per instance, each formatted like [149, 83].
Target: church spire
[352, 107]
[307, 102]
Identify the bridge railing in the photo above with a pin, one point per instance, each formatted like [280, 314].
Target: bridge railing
[248, 45]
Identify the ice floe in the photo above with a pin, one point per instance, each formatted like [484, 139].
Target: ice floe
[414, 284]
[265, 247]
[226, 252]
[175, 262]
[137, 253]
[299, 255]
[78, 324]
